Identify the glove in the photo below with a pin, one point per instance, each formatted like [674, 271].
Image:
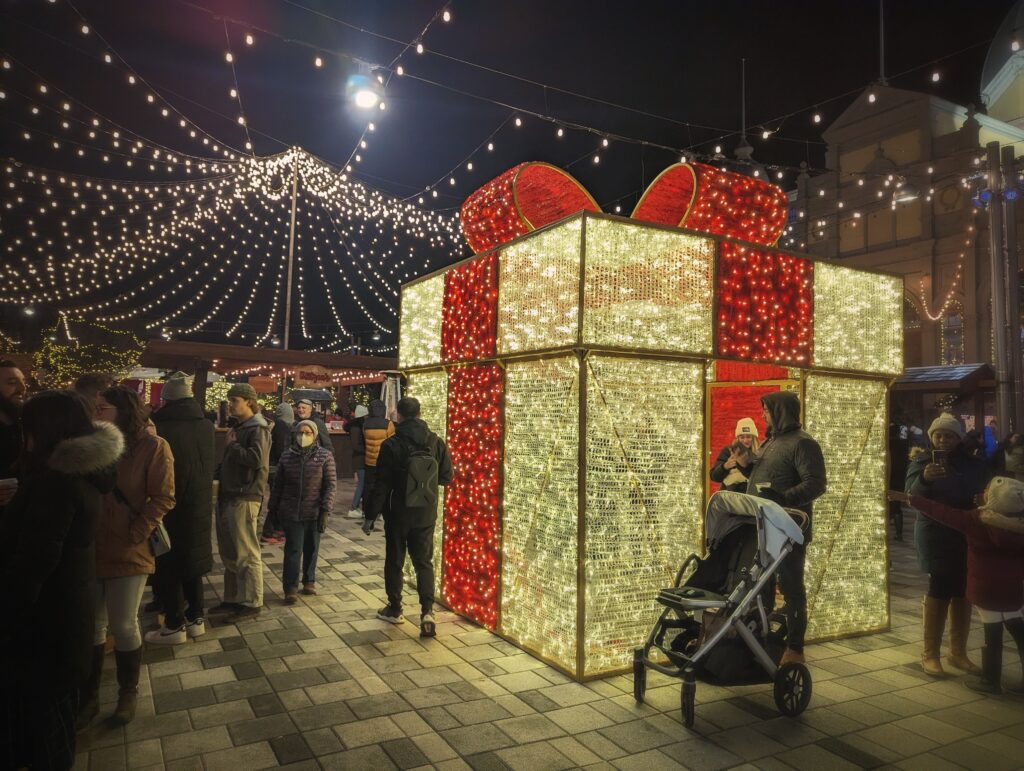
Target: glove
[368, 524]
[321, 523]
[769, 494]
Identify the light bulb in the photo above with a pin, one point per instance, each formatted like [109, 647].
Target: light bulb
[228, 57]
[85, 29]
[871, 98]
[817, 117]
[446, 16]
[597, 159]
[249, 40]
[400, 70]
[419, 48]
[604, 142]
[318, 62]
[935, 77]
[765, 134]
[490, 146]
[519, 122]
[560, 133]
[1015, 45]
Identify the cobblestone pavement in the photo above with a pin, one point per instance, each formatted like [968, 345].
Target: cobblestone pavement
[323, 684]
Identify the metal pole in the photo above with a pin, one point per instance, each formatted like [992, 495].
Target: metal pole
[881, 43]
[1013, 290]
[1004, 386]
[291, 248]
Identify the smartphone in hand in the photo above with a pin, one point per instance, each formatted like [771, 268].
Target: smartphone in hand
[939, 457]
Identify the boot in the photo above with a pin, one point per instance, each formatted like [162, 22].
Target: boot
[89, 697]
[991, 663]
[128, 664]
[959, 628]
[1015, 626]
[934, 625]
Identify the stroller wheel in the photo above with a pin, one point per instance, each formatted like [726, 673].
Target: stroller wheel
[639, 676]
[687, 698]
[792, 689]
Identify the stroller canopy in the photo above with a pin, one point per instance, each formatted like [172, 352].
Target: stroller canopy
[727, 511]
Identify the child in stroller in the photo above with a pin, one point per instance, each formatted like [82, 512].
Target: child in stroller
[722, 619]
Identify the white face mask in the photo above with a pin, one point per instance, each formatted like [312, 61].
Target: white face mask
[305, 440]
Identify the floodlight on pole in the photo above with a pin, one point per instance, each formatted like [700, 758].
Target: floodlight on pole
[363, 89]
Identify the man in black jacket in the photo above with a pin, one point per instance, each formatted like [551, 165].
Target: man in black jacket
[408, 527]
[790, 471]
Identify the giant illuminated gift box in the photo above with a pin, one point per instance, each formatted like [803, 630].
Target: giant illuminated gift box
[584, 371]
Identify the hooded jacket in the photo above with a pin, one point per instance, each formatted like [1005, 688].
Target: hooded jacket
[50, 555]
[246, 463]
[145, 479]
[995, 552]
[388, 494]
[304, 484]
[191, 437]
[281, 433]
[941, 549]
[376, 429]
[790, 462]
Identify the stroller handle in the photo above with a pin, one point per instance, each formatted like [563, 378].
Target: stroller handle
[683, 567]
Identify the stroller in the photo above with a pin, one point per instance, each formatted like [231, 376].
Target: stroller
[720, 624]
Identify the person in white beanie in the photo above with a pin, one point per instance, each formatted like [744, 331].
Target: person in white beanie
[735, 461]
[995, 569]
[948, 475]
[355, 432]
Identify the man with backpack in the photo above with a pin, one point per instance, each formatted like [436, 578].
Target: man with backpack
[411, 465]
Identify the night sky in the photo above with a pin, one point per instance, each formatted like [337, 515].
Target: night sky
[676, 60]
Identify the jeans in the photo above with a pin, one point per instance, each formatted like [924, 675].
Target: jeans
[419, 543]
[791, 582]
[117, 609]
[174, 594]
[357, 497]
[239, 547]
[301, 537]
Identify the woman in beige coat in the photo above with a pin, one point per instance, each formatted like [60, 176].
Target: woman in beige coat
[144, 493]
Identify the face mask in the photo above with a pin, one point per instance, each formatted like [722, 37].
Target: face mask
[305, 440]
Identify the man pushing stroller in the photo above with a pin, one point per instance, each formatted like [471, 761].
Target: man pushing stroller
[789, 470]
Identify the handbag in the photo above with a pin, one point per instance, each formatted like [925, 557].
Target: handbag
[159, 540]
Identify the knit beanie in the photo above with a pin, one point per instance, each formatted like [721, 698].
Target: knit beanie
[285, 412]
[1005, 496]
[946, 422]
[177, 386]
[310, 423]
[746, 426]
[361, 411]
[244, 390]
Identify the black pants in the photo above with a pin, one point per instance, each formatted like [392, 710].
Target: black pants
[419, 543]
[174, 593]
[791, 583]
[896, 517]
[947, 585]
[369, 479]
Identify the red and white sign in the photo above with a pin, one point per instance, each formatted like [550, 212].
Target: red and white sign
[313, 376]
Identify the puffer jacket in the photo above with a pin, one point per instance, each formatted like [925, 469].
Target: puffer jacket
[941, 549]
[790, 461]
[50, 555]
[304, 484]
[995, 552]
[376, 428]
[246, 463]
[145, 479]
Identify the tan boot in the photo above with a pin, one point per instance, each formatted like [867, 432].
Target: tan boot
[959, 628]
[128, 665]
[934, 624]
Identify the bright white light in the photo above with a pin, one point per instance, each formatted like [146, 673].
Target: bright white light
[779, 175]
[519, 122]
[85, 29]
[318, 62]
[419, 48]
[936, 77]
[469, 166]
[30, 311]
[817, 117]
[228, 57]
[490, 146]
[446, 16]
[400, 71]
[604, 142]
[560, 133]
[365, 98]
[451, 180]
[765, 134]
[871, 98]
[597, 159]
[249, 40]
[382, 106]
[1015, 45]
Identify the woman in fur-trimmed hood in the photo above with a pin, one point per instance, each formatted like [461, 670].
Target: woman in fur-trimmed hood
[995, 567]
[66, 466]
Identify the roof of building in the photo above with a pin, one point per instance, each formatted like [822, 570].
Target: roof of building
[956, 377]
[1000, 51]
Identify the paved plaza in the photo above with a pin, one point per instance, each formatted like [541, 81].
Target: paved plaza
[323, 684]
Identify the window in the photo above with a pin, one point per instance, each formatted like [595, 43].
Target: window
[953, 336]
[911, 335]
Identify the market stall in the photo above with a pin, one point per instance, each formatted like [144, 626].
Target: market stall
[584, 368]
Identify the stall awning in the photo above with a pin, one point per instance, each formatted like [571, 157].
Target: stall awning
[959, 378]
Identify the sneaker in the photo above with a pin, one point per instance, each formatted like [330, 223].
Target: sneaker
[271, 540]
[290, 598]
[195, 628]
[427, 626]
[309, 588]
[355, 514]
[225, 607]
[244, 613]
[165, 636]
[389, 614]
[368, 525]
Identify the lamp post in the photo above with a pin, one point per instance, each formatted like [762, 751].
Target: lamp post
[1004, 384]
[1013, 286]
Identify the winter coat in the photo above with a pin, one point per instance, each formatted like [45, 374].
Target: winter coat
[899, 450]
[145, 479]
[304, 485]
[281, 433]
[246, 463]
[790, 460]
[388, 494]
[995, 553]
[10, 448]
[355, 432]
[49, 554]
[376, 429]
[191, 439]
[323, 436]
[939, 548]
[719, 472]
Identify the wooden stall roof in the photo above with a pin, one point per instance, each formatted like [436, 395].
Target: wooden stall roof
[956, 378]
[185, 356]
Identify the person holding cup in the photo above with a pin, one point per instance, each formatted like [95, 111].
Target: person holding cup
[951, 476]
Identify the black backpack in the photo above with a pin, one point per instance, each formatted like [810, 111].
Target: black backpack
[421, 477]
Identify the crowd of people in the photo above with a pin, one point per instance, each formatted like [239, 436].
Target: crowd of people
[100, 496]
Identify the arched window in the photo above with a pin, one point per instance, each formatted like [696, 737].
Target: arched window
[911, 334]
[953, 335]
